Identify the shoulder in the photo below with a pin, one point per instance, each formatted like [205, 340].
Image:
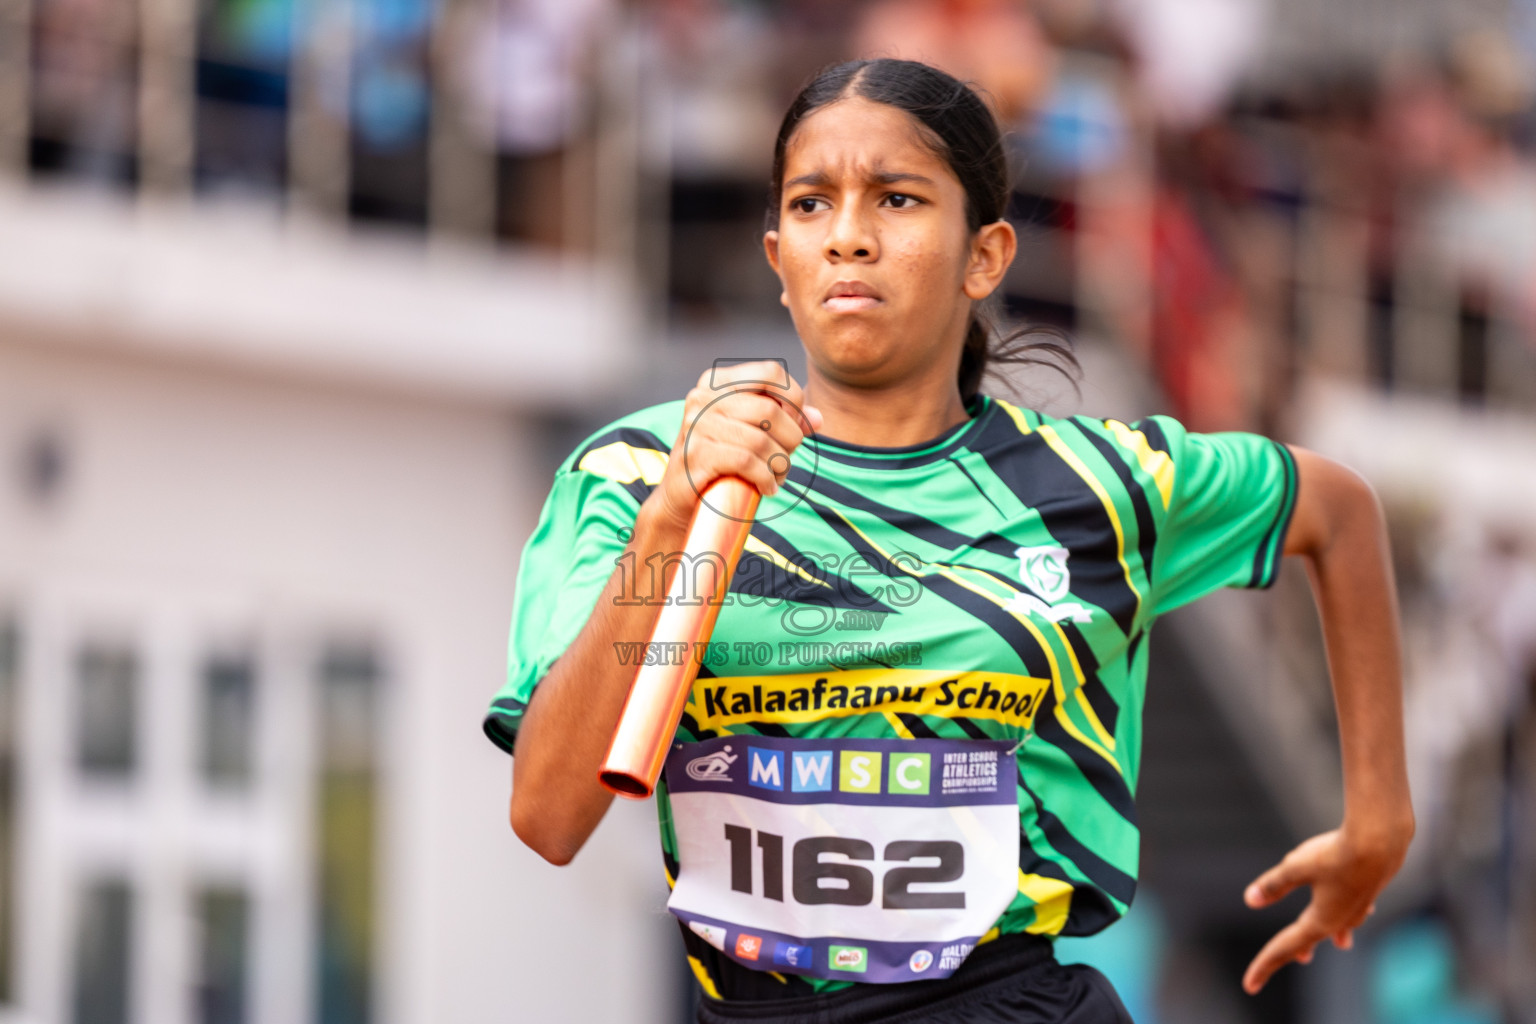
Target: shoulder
[1141, 440]
[638, 440]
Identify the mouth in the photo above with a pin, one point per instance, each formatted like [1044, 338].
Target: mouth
[851, 297]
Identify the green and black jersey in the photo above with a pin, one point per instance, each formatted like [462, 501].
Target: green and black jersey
[998, 582]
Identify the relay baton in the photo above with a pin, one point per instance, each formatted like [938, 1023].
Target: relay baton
[656, 699]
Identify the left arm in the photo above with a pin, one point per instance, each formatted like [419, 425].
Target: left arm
[1339, 530]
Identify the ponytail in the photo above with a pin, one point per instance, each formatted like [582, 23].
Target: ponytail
[1029, 345]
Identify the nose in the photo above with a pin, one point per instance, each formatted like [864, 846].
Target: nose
[851, 236]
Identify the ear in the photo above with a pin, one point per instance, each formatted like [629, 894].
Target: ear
[771, 250]
[992, 251]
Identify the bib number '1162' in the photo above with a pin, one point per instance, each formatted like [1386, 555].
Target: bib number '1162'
[858, 859]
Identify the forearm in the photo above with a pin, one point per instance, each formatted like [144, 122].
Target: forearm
[1350, 564]
[556, 799]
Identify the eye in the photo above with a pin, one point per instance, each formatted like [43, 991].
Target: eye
[901, 201]
[806, 204]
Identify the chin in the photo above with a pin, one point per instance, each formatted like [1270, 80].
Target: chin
[854, 356]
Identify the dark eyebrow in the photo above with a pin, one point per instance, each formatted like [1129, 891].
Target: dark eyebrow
[820, 179]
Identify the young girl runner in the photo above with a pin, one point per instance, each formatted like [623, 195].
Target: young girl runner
[910, 758]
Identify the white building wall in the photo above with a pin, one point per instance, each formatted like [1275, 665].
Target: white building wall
[200, 507]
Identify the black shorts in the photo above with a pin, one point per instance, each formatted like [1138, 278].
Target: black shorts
[1014, 979]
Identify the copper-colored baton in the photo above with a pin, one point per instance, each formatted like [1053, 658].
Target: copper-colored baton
[657, 697]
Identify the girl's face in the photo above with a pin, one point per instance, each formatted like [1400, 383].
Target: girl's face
[878, 265]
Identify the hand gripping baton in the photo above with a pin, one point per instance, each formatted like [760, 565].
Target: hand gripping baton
[656, 699]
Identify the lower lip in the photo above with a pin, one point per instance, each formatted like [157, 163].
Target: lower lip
[850, 303]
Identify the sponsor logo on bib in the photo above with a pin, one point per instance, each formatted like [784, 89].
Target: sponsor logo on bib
[748, 946]
[921, 961]
[710, 933]
[848, 958]
[714, 767]
[787, 954]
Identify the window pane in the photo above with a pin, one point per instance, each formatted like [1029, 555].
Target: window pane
[348, 807]
[101, 954]
[107, 705]
[9, 656]
[229, 686]
[223, 956]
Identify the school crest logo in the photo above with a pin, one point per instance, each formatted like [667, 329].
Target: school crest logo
[1043, 569]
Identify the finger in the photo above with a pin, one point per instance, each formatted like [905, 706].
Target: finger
[711, 456]
[754, 439]
[730, 460]
[812, 420]
[1289, 944]
[1274, 884]
[1344, 938]
[769, 373]
[770, 378]
[764, 416]
[806, 419]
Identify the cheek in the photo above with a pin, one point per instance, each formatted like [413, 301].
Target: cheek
[927, 261]
[798, 263]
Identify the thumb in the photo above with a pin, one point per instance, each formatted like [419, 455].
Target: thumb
[813, 414]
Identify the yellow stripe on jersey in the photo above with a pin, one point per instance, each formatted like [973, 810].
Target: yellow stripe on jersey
[1070, 458]
[624, 463]
[1016, 415]
[994, 933]
[898, 726]
[1093, 720]
[1156, 464]
[1056, 681]
[757, 547]
[705, 981]
[1052, 898]
[1050, 654]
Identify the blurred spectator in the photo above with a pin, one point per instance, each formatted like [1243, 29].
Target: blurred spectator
[996, 44]
[84, 91]
[389, 108]
[530, 83]
[243, 95]
[1191, 53]
[713, 104]
[1484, 219]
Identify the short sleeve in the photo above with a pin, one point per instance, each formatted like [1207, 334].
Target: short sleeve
[565, 565]
[1229, 506]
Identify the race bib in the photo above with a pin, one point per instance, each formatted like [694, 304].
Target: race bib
[866, 860]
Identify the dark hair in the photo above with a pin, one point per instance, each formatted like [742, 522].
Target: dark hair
[960, 128]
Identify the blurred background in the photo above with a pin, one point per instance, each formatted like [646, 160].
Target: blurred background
[302, 301]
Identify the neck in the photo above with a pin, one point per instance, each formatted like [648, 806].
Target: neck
[891, 416]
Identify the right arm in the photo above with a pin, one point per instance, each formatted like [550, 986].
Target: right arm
[556, 799]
